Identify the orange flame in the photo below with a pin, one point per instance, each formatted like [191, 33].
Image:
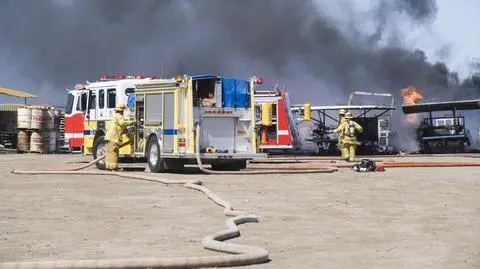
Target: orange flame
[411, 96]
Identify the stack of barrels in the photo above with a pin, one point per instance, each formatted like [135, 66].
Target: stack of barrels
[37, 129]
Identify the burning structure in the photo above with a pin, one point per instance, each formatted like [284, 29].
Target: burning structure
[411, 96]
[442, 133]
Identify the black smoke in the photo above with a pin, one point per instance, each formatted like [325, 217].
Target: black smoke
[64, 42]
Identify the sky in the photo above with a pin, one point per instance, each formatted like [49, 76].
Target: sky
[455, 25]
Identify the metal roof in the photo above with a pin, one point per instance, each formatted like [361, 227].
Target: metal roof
[442, 106]
[10, 107]
[16, 93]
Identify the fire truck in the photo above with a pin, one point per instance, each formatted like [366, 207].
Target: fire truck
[111, 88]
[276, 128]
[171, 114]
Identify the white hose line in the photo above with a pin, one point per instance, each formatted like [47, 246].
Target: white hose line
[245, 255]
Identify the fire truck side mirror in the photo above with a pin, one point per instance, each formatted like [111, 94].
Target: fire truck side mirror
[267, 114]
[307, 112]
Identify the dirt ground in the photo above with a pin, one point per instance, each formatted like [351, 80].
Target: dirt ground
[402, 218]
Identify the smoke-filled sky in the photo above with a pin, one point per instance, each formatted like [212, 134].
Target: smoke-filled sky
[320, 49]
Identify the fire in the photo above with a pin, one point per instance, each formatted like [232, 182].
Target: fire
[411, 96]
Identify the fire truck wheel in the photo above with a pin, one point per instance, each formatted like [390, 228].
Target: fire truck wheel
[99, 150]
[154, 160]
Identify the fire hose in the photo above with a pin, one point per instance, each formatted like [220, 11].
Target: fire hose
[386, 164]
[245, 255]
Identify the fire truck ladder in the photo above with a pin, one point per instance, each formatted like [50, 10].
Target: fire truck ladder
[292, 126]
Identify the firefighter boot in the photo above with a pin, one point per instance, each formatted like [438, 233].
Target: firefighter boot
[351, 152]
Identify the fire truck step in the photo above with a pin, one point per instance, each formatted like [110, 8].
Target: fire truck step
[132, 165]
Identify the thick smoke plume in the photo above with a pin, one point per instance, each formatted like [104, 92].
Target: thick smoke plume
[49, 45]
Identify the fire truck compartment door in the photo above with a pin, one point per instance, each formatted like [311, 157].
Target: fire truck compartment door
[218, 133]
[169, 131]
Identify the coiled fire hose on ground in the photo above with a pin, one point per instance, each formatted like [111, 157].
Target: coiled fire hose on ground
[246, 255]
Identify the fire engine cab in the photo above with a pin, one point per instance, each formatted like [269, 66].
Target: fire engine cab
[109, 89]
[276, 127]
[171, 114]
[73, 120]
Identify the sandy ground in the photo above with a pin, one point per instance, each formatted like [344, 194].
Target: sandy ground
[402, 218]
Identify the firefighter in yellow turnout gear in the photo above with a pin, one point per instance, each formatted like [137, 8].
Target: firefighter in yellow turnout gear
[349, 141]
[113, 138]
[341, 114]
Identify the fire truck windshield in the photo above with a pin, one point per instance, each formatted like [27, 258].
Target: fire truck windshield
[69, 105]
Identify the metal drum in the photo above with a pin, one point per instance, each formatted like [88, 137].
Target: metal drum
[57, 114]
[37, 118]
[23, 141]
[50, 141]
[24, 117]
[36, 142]
[49, 120]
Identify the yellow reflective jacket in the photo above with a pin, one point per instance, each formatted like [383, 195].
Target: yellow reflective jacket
[340, 134]
[116, 128]
[340, 122]
[347, 131]
[339, 129]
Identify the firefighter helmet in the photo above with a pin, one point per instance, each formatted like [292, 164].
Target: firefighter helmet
[120, 107]
[348, 116]
[342, 112]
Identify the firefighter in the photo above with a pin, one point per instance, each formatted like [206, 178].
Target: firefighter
[209, 101]
[113, 138]
[349, 140]
[341, 116]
